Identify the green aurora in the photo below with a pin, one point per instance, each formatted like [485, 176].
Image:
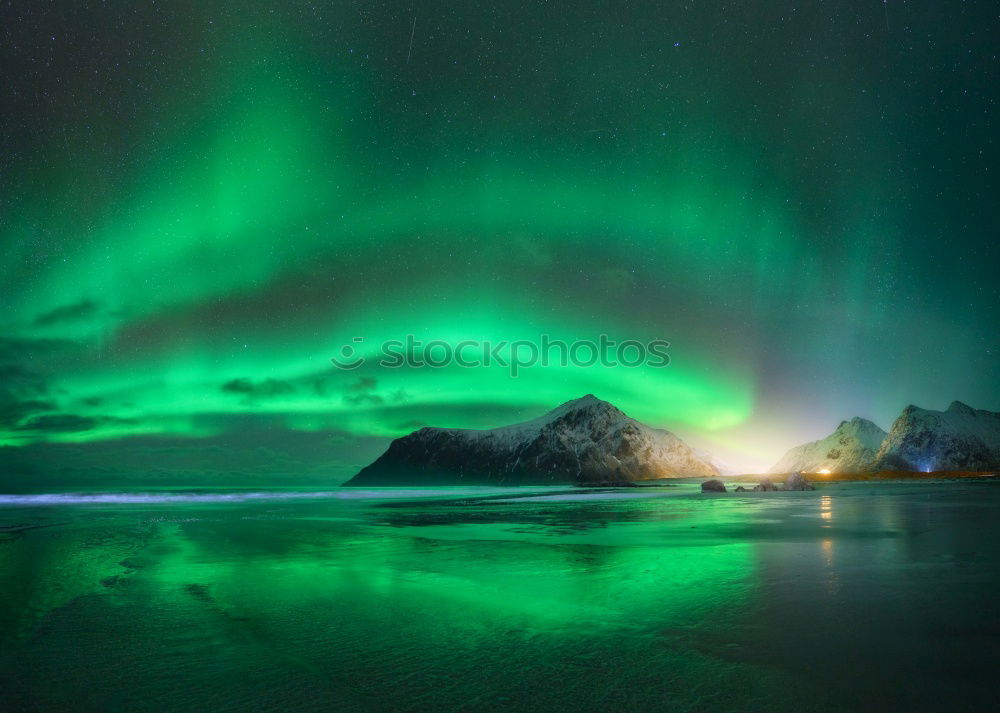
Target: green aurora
[201, 205]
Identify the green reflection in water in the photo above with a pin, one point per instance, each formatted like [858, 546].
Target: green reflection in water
[386, 605]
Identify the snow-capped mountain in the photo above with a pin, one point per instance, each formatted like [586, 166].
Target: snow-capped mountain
[586, 440]
[849, 449]
[721, 466]
[960, 438]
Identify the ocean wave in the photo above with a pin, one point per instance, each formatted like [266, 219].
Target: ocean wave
[147, 498]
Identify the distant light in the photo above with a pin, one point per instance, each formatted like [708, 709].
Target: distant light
[824, 471]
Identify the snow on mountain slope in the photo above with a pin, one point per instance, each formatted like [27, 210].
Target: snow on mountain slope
[851, 448]
[719, 464]
[586, 440]
[960, 438]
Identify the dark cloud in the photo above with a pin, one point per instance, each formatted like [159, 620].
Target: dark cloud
[58, 423]
[362, 399]
[22, 392]
[268, 388]
[365, 383]
[68, 423]
[360, 393]
[24, 389]
[13, 409]
[82, 310]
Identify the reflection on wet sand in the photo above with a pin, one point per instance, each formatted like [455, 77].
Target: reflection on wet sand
[498, 602]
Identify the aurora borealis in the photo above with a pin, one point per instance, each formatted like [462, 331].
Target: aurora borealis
[201, 203]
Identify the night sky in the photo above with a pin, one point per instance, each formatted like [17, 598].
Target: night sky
[201, 202]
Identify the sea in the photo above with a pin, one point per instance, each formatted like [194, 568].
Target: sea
[871, 596]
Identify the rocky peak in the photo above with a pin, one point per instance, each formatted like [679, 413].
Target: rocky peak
[859, 425]
[959, 438]
[849, 449]
[589, 405]
[959, 407]
[585, 440]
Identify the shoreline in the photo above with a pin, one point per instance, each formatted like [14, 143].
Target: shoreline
[882, 475]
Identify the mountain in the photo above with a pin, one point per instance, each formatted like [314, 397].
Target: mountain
[584, 441]
[721, 466]
[960, 438]
[849, 449]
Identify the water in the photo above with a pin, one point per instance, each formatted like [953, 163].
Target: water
[856, 597]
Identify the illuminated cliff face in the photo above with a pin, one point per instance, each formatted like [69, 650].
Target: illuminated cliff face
[200, 209]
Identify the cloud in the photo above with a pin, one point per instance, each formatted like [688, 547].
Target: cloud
[68, 423]
[362, 399]
[365, 383]
[13, 409]
[360, 392]
[268, 388]
[82, 310]
[400, 395]
[28, 402]
[58, 423]
[22, 393]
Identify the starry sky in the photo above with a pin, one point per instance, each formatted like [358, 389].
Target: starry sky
[202, 202]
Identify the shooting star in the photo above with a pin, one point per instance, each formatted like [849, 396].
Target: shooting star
[412, 31]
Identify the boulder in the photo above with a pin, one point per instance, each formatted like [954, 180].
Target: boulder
[795, 481]
[739, 489]
[713, 486]
[766, 485]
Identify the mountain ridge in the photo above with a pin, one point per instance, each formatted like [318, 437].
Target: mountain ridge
[584, 441]
[851, 448]
[958, 438]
